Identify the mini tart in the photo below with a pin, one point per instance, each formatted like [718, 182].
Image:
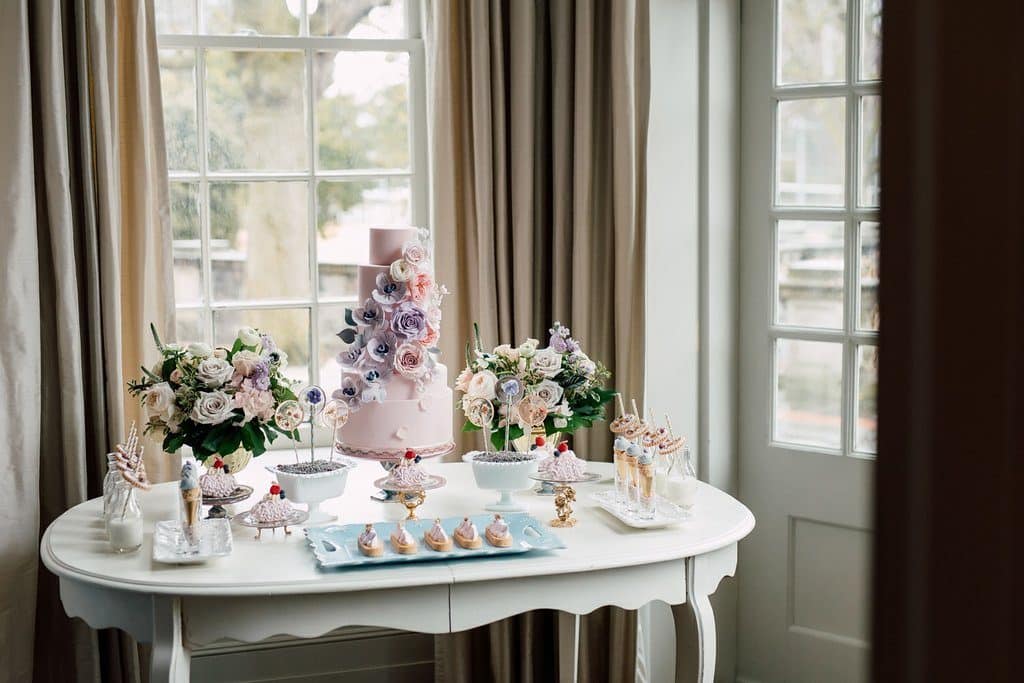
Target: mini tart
[498, 541]
[440, 546]
[373, 549]
[467, 543]
[403, 548]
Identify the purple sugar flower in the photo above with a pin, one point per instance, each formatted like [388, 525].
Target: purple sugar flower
[388, 291]
[370, 314]
[409, 321]
[380, 348]
[349, 392]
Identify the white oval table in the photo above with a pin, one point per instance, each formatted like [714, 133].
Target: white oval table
[273, 587]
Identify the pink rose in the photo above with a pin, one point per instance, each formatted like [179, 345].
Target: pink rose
[462, 381]
[431, 337]
[420, 286]
[255, 404]
[411, 360]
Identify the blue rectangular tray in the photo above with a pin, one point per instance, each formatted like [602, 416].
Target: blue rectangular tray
[338, 546]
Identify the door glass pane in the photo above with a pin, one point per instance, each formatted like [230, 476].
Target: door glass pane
[345, 211]
[808, 393]
[385, 19]
[868, 274]
[252, 17]
[174, 16]
[178, 88]
[256, 110]
[190, 326]
[809, 273]
[870, 127]
[811, 152]
[866, 432]
[812, 41]
[362, 110]
[186, 244]
[288, 326]
[870, 40]
[259, 241]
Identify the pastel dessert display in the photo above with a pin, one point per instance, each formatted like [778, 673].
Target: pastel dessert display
[396, 390]
[437, 538]
[402, 541]
[370, 543]
[217, 482]
[273, 507]
[497, 533]
[505, 472]
[564, 465]
[191, 502]
[466, 534]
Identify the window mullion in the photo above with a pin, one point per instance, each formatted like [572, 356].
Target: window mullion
[849, 393]
[206, 256]
[311, 221]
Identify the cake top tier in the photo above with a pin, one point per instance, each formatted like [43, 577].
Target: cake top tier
[386, 243]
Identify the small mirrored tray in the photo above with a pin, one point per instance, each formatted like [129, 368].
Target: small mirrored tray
[296, 517]
[337, 546]
[170, 546]
[240, 493]
[666, 513]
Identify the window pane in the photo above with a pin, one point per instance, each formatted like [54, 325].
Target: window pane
[255, 110]
[350, 18]
[332, 320]
[288, 326]
[810, 274]
[259, 241]
[870, 123]
[812, 41]
[346, 209]
[178, 88]
[870, 40]
[811, 149]
[174, 16]
[187, 246]
[866, 435]
[868, 274]
[808, 392]
[249, 17]
[362, 110]
[191, 326]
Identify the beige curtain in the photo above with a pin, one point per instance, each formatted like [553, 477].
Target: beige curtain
[538, 119]
[86, 233]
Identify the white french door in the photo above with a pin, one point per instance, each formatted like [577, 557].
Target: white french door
[808, 321]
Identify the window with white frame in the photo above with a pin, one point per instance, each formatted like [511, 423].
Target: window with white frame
[825, 217]
[292, 126]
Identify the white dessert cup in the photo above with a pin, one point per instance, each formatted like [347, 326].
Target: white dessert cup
[504, 477]
[314, 489]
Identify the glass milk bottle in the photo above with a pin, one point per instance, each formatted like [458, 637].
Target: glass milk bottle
[681, 482]
[124, 519]
[110, 482]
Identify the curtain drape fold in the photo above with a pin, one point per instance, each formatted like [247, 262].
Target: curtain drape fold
[538, 127]
[86, 225]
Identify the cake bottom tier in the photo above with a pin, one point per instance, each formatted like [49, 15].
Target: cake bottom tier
[385, 431]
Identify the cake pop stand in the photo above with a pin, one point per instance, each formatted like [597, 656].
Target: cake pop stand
[295, 517]
[414, 496]
[217, 510]
[565, 496]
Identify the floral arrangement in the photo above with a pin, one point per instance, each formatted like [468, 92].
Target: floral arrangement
[216, 400]
[563, 388]
[395, 331]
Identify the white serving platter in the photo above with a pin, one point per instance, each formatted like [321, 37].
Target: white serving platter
[666, 513]
[170, 546]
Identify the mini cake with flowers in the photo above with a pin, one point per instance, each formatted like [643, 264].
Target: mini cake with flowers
[563, 465]
[408, 473]
[273, 507]
[396, 389]
[217, 482]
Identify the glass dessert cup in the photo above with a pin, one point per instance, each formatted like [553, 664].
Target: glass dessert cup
[646, 497]
[504, 472]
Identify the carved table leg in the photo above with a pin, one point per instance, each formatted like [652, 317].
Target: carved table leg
[171, 654]
[696, 644]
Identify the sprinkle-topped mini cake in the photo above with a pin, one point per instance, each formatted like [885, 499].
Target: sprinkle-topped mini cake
[498, 534]
[370, 543]
[218, 482]
[408, 473]
[273, 507]
[402, 541]
[437, 538]
[565, 466]
[466, 534]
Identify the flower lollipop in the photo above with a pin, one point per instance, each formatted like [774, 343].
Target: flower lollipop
[480, 412]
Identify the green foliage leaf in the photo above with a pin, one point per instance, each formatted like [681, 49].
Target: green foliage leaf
[349, 320]
[347, 335]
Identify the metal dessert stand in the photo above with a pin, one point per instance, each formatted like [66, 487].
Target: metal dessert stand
[217, 510]
[246, 519]
[411, 497]
[565, 496]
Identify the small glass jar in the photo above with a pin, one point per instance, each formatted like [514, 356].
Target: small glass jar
[681, 482]
[110, 481]
[646, 496]
[124, 519]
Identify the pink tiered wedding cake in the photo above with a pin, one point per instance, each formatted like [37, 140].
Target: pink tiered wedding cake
[396, 390]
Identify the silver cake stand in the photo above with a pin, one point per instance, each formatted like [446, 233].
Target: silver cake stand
[246, 519]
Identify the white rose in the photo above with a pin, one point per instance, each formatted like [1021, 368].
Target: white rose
[212, 408]
[245, 362]
[528, 348]
[158, 401]
[213, 372]
[562, 409]
[481, 385]
[550, 392]
[402, 271]
[199, 349]
[547, 362]
[249, 336]
[507, 352]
